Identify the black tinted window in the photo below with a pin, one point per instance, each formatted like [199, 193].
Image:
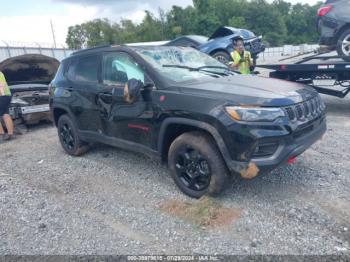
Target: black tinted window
[70, 72]
[87, 69]
[60, 72]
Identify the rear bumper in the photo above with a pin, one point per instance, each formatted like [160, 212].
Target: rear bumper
[328, 41]
[30, 114]
[329, 29]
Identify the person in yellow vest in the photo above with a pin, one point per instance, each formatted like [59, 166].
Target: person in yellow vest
[242, 59]
[5, 100]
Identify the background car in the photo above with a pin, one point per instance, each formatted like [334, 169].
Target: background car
[334, 26]
[28, 77]
[219, 44]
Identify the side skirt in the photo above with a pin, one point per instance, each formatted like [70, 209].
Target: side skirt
[92, 137]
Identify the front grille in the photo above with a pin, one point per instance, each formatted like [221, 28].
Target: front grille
[255, 46]
[303, 131]
[307, 110]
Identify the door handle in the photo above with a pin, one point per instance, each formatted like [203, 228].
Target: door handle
[69, 88]
[105, 95]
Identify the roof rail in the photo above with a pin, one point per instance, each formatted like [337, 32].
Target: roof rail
[89, 49]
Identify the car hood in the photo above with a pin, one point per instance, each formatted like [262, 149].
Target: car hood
[29, 68]
[250, 90]
[227, 31]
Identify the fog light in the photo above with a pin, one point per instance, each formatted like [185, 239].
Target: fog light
[265, 149]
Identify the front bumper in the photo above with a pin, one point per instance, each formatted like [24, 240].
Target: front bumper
[289, 144]
[254, 46]
[292, 147]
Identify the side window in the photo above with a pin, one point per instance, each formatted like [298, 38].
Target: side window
[87, 69]
[70, 71]
[60, 72]
[119, 67]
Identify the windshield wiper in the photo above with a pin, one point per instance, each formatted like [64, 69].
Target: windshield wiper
[203, 68]
[227, 70]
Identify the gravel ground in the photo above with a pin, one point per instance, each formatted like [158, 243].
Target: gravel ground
[108, 201]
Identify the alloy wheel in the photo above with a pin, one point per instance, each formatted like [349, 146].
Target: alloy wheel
[67, 136]
[346, 45]
[193, 169]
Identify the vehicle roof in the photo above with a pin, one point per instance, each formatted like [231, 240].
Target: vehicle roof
[105, 48]
[224, 31]
[96, 49]
[197, 38]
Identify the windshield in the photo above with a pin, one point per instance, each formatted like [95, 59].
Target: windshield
[182, 63]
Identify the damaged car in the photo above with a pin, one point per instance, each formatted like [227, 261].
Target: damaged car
[28, 77]
[186, 109]
[219, 44]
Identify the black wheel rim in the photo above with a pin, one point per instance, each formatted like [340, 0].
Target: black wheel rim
[67, 137]
[193, 169]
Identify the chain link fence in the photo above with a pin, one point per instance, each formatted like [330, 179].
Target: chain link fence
[276, 53]
[10, 49]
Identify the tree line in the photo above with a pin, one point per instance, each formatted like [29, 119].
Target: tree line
[278, 22]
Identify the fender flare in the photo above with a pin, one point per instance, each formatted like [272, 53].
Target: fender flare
[201, 125]
[219, 49]
[62, 107]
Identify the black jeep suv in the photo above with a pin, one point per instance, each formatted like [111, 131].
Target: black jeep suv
[187, 109]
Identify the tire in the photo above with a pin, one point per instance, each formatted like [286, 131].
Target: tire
[343, 45]
[221, 56]
[69, 139]
[196, 165]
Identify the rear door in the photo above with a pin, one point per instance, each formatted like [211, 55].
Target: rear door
[84, 74]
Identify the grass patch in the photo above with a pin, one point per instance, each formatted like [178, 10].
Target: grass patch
[204, 212]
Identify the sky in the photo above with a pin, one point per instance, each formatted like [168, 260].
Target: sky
[28, 21]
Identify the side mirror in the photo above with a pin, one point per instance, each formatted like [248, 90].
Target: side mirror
[148, 82]
[148, 85]
[133, 90]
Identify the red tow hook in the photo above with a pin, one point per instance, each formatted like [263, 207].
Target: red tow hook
[292, 160]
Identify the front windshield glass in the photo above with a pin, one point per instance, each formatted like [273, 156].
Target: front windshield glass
[182, 63]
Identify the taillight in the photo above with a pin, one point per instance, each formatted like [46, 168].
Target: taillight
[324, 10]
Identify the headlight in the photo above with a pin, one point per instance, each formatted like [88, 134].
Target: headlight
[254, 114]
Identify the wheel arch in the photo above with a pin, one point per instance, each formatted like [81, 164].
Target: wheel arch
[58, 111]
[219, 50]
[173, 127]
[342, 30]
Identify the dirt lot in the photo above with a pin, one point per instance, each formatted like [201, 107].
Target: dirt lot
[116, 202]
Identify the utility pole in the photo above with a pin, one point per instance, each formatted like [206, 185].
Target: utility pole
[53, 34]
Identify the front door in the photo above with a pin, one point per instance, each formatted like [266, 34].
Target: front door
[122, 119]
